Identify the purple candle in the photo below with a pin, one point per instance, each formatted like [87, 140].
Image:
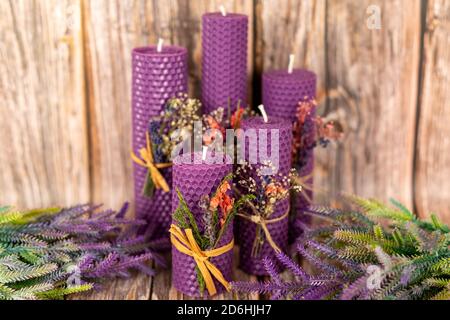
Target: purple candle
[158, 75]
[278, 230]
[224, 60]
[282, 92]
[195, 180]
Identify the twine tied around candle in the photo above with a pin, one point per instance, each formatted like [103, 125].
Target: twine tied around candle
[185, 243]
[263, 222]
[146, 160]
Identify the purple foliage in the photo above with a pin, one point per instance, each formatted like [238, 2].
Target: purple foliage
[318, 263]
[271, 270]
[355, 289]
[292, 266]
[101, 242]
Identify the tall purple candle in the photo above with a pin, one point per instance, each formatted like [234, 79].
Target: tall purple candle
[282, 92]
[277, 230]
[157, 77]
[195, 180]
[224, 60]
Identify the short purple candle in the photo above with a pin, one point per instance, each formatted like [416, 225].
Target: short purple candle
[157, 77]
[277, 230]
[282, 92]
[195, 180]
[224, 60]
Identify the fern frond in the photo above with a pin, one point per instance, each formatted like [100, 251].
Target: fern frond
[437, 282]
[438, 224]
[26, 273]
[30, 292]
[442, 266]
[357, 254]
[374, 208]
[60, 293]
[32, 215]
[9, 216]
[378, 232]
[444, 294]
[360, 238]
[6, 293]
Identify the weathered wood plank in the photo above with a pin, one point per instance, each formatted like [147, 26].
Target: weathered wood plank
[292, 26]
[432, 173]
[135, 288]
[44, 158]
[376, 74]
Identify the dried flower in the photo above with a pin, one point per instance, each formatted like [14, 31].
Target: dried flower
[237, 117]
[310, 131]
[178, 116]
[222, 200]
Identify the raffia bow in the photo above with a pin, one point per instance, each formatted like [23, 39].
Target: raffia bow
[185, 243]
[259, 220]
[146, 160]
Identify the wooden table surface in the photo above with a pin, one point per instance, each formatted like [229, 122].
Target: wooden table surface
[143, 287]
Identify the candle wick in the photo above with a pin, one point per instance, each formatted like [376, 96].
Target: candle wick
[263, 113]
[205, 151]
[160, 45]
[291, 63]
[222, 10]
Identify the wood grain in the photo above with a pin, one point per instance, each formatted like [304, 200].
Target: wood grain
[292, 27]
[432, 189]
[44, 158]
[376, 73]
[135, 288]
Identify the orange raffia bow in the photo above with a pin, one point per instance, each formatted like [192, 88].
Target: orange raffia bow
[146, 160]
[185, 243]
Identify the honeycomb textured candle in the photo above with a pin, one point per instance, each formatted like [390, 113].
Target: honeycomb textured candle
[156, 77]
[282, 91]
[278, 230]
[224, 60]
[194, 181]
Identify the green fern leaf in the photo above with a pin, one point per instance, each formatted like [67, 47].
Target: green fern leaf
[6, 293]
[9, 216]
[26, 273]
[375, 208]
[60, 293]
[444, 294]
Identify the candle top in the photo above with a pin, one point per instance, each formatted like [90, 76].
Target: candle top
[150, 51]
[272, 123]
[213, 160]
[295, 76]
[230, 16]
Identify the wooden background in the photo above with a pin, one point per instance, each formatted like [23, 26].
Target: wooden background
[65, 95]
[65, 91]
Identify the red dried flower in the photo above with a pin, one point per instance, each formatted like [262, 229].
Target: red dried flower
[223, 200]
[237, 117]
